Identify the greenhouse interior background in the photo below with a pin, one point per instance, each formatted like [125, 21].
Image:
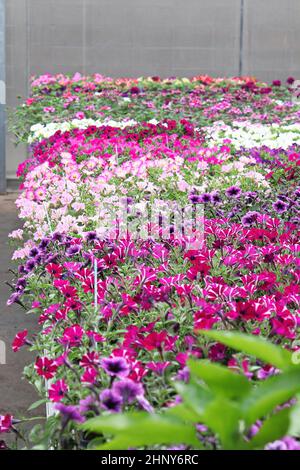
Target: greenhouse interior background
[258, 38]
[149, 228]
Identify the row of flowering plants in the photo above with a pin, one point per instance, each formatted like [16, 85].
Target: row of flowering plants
[121, 317]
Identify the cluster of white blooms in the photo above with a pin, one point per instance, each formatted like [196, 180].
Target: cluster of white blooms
[44, 131]
[248, 135]
[240, 134]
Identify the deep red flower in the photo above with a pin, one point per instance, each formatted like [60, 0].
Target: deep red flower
[69, 292]
[58, 390]
[158, 341]
[5, 423]
[72, 335]
[91, 359]
[45, 367]
[158, 367]
[93, 335]
[54, 269]
[20, 340]
[89, 376]
[217, 352]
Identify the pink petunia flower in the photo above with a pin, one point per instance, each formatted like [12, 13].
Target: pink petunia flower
[58, 390]
[45, 367]
[20, 340]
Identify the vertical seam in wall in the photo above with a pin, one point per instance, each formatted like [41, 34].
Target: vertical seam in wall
[27, 7]
[241, 47]
[84, 36]
[3, 101]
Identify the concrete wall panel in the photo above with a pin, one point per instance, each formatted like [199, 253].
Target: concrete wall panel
[142, 37]
[272, 38]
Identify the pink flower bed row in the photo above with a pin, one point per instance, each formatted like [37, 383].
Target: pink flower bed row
[119, 317]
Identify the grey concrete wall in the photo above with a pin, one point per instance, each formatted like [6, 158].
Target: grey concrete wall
[2, 99]
[17, 71]
[272, 38]
[148, 37]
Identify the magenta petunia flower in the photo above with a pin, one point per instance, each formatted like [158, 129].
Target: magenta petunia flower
[20, 340]
[58, 390]
[5, 423]
[72, 336]
[89, 376]
[45, 367]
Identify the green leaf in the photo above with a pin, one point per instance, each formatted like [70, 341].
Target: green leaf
[253, 345]
[223, 416]
[95, 443]
[271, 393]
[220, 379]
[36, 404]
[183, 412]
[195, 397]
[142, 429]
[273, 428]
[294, 429]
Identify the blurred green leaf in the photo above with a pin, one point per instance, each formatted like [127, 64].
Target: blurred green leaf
[36, 404]
[271, 393]
[294, 429]
[272, 429]
[194, 397]
[253, 345]
[223, 416]
[142, 429]
[220, 379]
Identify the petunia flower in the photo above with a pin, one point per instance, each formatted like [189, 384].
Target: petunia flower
[72, 336]
[115, 366]
[69, 413]
[45, 367]
[5, 423]
[111, 401]
[128, 390]
[20, 340]
[58, 390]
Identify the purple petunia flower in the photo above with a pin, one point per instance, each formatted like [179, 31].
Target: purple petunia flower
[280, 206]
[21, 283]
[205, 198]
[249, 219]
[69, 413]
[86, 404]
[215, 197]
[250, 196]
[33, 252]
[29, 265]
[115, 366]
[297, 193]
[183, 375]
[128, 390]
[57, 237]
[111, 401]
[73, 250]
[44, 243]
[195, 198]
[13, 298]
[287, 443]
[21, 269]
[233, 191]
[91, 236]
